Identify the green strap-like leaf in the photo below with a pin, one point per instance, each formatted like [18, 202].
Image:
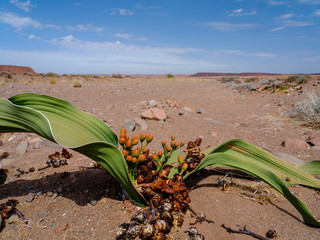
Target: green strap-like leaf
[59, 121]
[241, 155]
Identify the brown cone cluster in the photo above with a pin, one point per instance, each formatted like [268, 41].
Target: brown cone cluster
[168, 197]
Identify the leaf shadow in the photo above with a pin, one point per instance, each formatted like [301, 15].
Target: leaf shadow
[80, 186]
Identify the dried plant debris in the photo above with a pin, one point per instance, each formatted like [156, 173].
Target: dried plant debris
[57, 160]
[150, 223]
[193, 234]
[9, 208]
[245, 231]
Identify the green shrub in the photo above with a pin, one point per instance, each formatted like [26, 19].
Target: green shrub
[169, 75]
[252, 79]
[116, 75]
[52, 74]
[6, 75]
[228, 79]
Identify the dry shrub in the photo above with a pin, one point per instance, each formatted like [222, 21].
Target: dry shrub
[242, 86]
[53, 81]
[76, 84]
[298, 79]
[308, 110]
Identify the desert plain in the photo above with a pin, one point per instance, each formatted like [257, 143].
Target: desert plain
[72, 202]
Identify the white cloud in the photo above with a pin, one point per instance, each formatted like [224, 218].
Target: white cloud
[18, 22]
[245, 54]
[312, 2]
[33, 37]
[277, 29]
[285, 16]
[25, 6]
[225, 26]
[76, 4]
[123, 35]
[316, 13]
[87, 28]
[276, 2]
[241, 12]
[122, 12]
[293, 23]
[130, 37]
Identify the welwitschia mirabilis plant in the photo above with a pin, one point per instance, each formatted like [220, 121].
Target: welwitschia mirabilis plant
[61, 122]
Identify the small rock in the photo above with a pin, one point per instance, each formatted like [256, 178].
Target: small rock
[244, 124]
[152, 103]
[30, 197]
[181, 113]
[129, 125]
[22, 148]
[1, 143]
[154, 113]
[42, 214]
[314, 139]
[299, 87]
[61, 228]
[13, 219]
[32, 169]
[199, 110]
[141, 124]
[93, 201]
[295, 144]
[38, 144]
[288, 158]
[271, 234]
[4, 155]
[214, 134]
[175, 104]
[49, 194]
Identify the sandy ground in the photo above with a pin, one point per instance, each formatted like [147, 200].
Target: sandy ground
[260, 118]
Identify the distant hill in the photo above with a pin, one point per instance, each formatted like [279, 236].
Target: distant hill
[19, 70]
[244, 74]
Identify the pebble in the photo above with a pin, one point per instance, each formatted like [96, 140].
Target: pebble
[61, 228]
[199, 110]
[129, 125]
[38, 144]
[152, 103]
[181, 113]
[154, 113]
[42, 214]
[13, 219]
[93, 201]
[32, 169]
[30, 197]
[22, 148]
[141, 124]
[4, 155]
[49, 194]
[314, 139]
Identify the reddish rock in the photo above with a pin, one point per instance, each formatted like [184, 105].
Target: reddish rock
[314, 139]
[154, 114]
[17, 69]
[295, 144]
[61, 228]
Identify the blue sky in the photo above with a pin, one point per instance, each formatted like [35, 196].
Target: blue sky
[159, 37]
